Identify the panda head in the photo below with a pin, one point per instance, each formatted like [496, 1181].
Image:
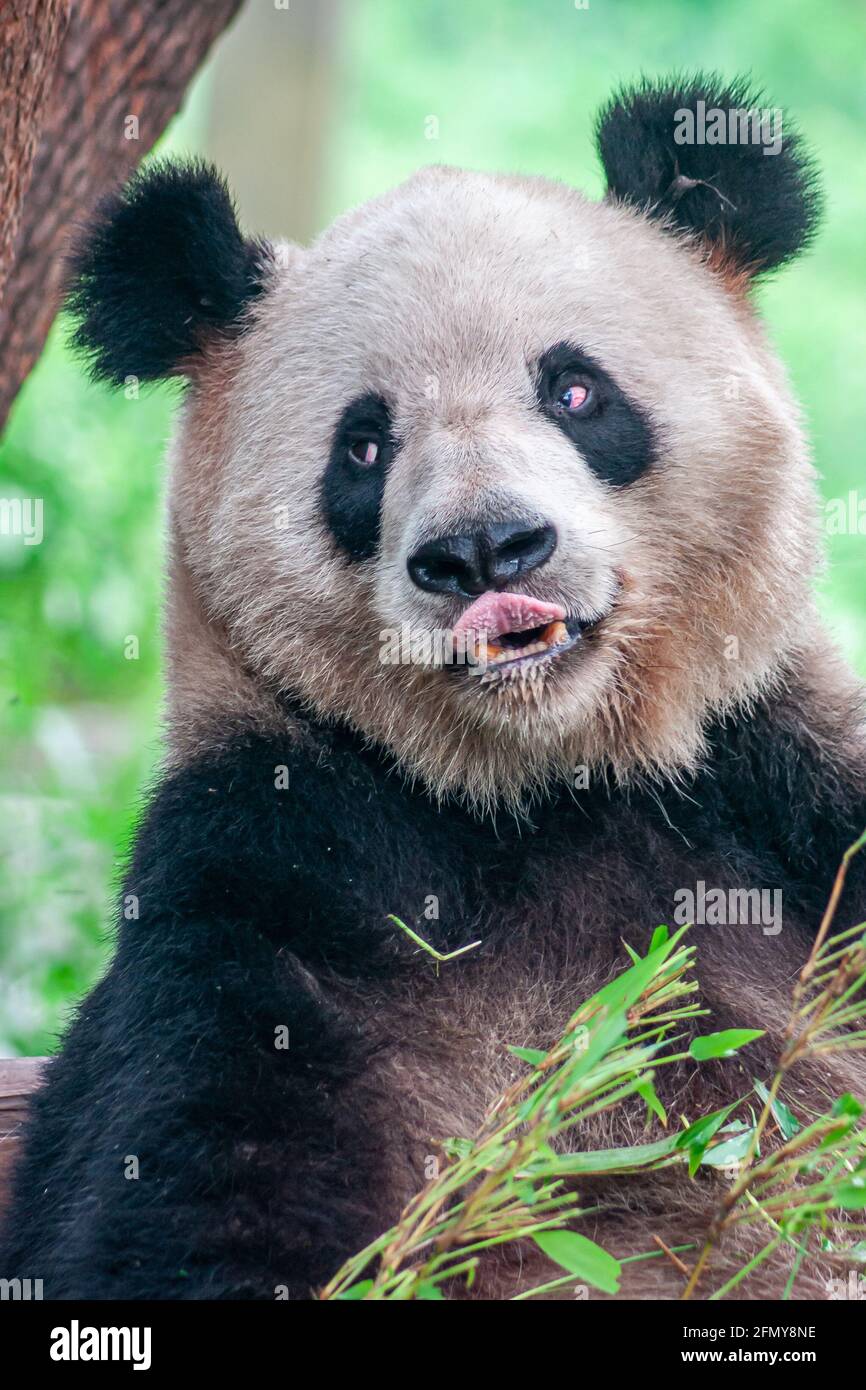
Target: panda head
[485, 409]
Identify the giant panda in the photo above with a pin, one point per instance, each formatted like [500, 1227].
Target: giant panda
[479, 405]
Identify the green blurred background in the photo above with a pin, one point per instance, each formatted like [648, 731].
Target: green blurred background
[309, 110]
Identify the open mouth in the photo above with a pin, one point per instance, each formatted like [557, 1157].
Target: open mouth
[519, 646]
[504, 634]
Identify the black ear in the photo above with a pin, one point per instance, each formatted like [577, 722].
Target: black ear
[716, 160]
[162, 263]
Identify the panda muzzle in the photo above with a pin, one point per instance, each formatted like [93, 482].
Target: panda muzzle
[499, 629]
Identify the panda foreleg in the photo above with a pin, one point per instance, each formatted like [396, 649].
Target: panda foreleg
[201, 1135]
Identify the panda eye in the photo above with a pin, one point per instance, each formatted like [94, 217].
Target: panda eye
[365, 452]
[573, 395]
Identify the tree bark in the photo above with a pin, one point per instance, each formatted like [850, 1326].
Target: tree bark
[19, 1077]
[87, 87]
[30, 40]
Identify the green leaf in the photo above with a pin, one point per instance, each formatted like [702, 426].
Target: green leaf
[847, 1105]
[456, 1147]
[659, 938]
[582, 1258]
[785, 1118]
[430, 1293]
[647, 1091]
[357, 1290]
[832, 1137]
[697, 1137]
[852, 1197]
[625, 989]
[723, 1044]
[533, 1055]
[702, 1131]
[525, 1192]
[615, 1160]
[603, 1036]
[729, 1151]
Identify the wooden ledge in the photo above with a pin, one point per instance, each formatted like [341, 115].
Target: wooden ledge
[19, 1077]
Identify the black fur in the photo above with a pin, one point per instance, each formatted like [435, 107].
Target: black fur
[162, 264]
[763, 209]
[352, 493]
[616, 438]
[262, 876]
[263, 906]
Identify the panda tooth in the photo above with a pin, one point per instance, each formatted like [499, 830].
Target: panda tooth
[555, 633]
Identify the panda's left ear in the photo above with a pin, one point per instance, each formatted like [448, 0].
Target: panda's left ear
[161, 268]
[715, 160]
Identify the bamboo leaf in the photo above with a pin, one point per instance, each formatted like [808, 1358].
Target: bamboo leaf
[728, 1151]
[533, 1055]
[659, 937]
[785, 1118]
[356, 1291]
[847, 1105]
[723, 1044]
[582, 1258]
[647, 1091]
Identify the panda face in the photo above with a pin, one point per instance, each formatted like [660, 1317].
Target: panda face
[490, 407]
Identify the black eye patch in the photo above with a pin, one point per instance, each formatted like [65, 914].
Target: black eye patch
[354, 481]
[612, 433]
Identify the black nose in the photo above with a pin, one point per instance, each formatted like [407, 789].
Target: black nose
[488, 559]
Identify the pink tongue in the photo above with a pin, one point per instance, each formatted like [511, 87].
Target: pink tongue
[492, 614]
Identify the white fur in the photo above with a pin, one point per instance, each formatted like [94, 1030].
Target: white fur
[441, 296]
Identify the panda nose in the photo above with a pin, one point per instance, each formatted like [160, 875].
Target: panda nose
[472, 563]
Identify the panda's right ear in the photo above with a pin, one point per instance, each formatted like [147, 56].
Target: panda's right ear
[752, 212]
[160, 268]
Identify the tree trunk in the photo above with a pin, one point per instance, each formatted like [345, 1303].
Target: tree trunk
[293, 54]
[87, 87]
[29, 45]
